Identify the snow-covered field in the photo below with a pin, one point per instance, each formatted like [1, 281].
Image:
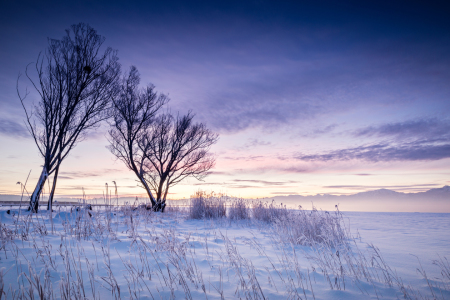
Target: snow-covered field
[121, 253]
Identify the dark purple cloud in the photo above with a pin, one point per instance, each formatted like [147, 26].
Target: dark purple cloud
[417, 139]
[432, 129]
[384, 152]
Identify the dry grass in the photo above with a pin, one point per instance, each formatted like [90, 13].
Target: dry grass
[207, 206]
[239, 209]
[268, 212]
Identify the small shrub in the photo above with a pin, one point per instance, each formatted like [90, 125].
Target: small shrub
[262, 211]
[206, 206]
[239, 209]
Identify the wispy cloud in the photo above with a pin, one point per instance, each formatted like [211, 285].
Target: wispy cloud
[274, 169]
[81, 174]
[203, 183]
[393, 187]
[418, 139]
[284, 193]
[253, 143]
[385, 152]
[420, 128]
[294, 170]
[245, 158]
[266, 183]
[94, 187]
[320, 131]
[378, 186]
[72, 175]
[13, 129]
[220, 173]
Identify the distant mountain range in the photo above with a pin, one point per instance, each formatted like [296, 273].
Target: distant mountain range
[443, 192]
[433, 200]
[437, 192]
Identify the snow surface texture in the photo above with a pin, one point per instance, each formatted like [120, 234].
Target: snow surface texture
[131, 253]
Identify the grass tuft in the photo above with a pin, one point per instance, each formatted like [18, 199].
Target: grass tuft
[207, 206]
[239, 209]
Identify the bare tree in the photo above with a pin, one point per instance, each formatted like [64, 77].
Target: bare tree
[75, 83]
[133, 113]
[173, 149]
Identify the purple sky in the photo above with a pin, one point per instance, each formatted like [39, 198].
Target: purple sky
[330, 97]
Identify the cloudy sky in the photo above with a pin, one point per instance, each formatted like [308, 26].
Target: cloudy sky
[317, 97]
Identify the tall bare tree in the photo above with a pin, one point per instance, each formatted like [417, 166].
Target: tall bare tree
[76, 82]
[174, 149]
[133, 113]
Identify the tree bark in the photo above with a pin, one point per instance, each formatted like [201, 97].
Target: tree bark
[163, 202]
[147, 188]
[52, 193]
[34, 200]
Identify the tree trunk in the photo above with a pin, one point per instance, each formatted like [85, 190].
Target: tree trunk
[34, 199]
[158, 199]
[161, 200]
[160, 186]
[147, 188]
[163, 204]
[52, 193]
